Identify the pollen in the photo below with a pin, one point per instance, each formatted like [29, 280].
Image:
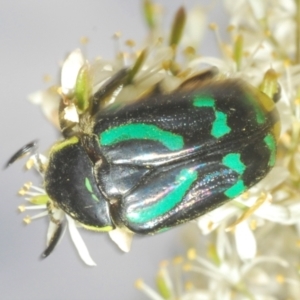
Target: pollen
[139, 284]
[280, 278]
[21, 208]
[27, 220]
[25, 188]
[177, 260]
[188, 286]
[191, 254]
[186, 267]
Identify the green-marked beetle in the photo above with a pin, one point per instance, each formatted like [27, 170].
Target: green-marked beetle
[162, 160]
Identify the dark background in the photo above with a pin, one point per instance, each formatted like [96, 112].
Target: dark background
[35, 37]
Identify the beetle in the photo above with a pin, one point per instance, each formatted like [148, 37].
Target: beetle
[162, 160]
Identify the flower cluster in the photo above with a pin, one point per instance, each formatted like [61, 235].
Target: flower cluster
[252, 241]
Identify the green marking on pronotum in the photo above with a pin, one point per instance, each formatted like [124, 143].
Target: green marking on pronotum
[236, 189]
[95, 197]
[141, 131]
[88, 186]
[270, 142]
[233, 161]
[204, 101]
[220, 126]
[260, 118]
[183, 182]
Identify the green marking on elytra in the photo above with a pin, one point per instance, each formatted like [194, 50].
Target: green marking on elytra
[88, 186]
[204, 101]
[236, 189]
[233, 161]
[141, 131]
[220, 126]
[270, 142]
[182, 183]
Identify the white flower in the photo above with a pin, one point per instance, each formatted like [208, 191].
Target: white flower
[69, 72]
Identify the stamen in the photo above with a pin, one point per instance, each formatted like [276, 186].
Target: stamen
[261, 200]
[139, 284]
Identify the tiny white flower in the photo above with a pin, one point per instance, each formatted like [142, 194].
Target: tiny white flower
[69, 72]
[245, 241]
[122, 237]
[79, 243]
[48, 100]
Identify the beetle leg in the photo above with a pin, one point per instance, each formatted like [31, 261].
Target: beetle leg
[25, 150]
[115, 83]
[195, 82]
[59, 230]
[40, 165]
[50, 207]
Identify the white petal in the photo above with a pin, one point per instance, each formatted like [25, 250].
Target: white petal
[70, 70]
[294, 209]
[37, 158]
[297, 226]
[196, 295]
[245, 241]
[194, 28]
[274, 213]
[222, 242]
[36, 97]
[49, 103]
[285, 113]
[262, 260]
[213, 219]
[148, 291]
[122, 238]
[258, 8]
[79, 243]
[71, 113]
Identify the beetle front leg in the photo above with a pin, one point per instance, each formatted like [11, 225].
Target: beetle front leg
[58, 221]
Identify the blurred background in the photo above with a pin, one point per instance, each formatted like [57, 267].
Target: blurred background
[35, 37]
